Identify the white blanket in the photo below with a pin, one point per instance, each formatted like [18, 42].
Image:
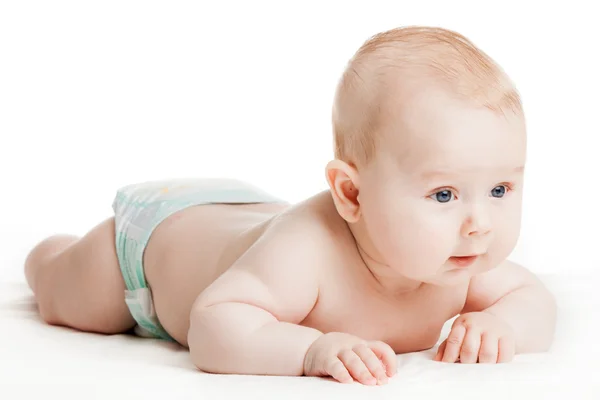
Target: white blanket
[41, 361]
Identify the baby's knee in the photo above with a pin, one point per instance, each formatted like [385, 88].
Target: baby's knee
[44, 296]
[40, 255]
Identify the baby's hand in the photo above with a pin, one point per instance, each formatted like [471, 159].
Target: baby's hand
[346, 357]
[478, 336]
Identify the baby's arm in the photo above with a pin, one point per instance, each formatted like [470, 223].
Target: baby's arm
[507, 311]
[518, 297]
[247, 321]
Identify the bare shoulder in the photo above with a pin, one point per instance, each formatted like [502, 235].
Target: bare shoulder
[280, 271]
[298, 241]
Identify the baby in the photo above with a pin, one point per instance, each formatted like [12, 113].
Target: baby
[422, 211]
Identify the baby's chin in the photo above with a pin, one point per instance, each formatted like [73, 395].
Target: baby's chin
[450, 272]
[450, 278]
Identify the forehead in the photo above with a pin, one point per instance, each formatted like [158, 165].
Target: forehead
[434, 131]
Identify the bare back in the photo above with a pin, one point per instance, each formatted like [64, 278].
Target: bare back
[192, 248]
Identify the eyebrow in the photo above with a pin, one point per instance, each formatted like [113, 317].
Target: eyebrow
[435, 174]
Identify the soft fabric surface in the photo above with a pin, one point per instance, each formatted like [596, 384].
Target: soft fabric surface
[41, 361]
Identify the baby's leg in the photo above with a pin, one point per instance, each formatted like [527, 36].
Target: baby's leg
[78, 283]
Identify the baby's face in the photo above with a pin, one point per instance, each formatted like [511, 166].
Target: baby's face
[447, 181]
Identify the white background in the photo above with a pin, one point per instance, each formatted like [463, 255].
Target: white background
[95, 95]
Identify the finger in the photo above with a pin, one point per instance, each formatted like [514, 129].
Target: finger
[470, 347]
[440, 351]
[356, 367]
[488, 352]
[338, 371]
[506, 350]
[387, 355]
[453, 344]
[373, 364]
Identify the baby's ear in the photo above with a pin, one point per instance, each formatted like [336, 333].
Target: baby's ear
[344, 185]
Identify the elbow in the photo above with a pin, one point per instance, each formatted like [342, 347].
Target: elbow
[198, 335]
[552, 321]
[208, 342]
[551, 307]
[544, 326]
[220, 337]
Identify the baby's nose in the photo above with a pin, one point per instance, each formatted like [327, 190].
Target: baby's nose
[477, 223]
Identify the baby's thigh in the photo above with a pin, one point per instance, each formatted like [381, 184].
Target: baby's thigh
[84, 285]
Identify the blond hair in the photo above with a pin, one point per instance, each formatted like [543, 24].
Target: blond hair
[441, 56]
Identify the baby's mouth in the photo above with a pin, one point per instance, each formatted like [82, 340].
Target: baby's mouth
[463, 261]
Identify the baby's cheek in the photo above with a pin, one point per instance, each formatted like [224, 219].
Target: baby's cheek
[415, 237]
[497, 253]
[435, 236]
[425, 246]
[506, 238]
[507, 226]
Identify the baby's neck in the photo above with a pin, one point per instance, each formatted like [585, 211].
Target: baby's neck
[385, 279]
[388, 280]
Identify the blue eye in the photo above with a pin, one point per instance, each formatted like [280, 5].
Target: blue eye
[499, 191]
[443, 196]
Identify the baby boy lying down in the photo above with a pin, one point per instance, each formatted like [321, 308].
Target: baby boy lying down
[422, 211]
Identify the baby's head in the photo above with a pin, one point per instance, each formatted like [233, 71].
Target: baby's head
[430, 147]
